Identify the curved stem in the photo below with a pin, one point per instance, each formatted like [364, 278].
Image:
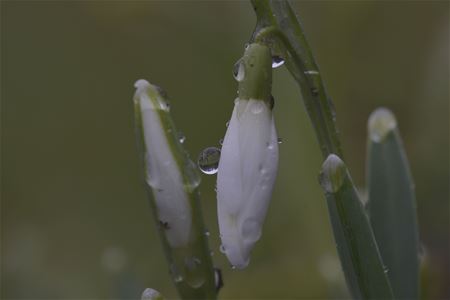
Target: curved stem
[277, 21]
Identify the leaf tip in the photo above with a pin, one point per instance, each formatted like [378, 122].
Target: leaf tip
[151, 294]
[333, 173]
[381, 122]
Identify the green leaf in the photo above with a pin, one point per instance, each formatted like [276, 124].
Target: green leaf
[391, 204]
[355, 242]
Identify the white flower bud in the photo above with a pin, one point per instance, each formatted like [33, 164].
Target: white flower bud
[167, 166]
[247, 171]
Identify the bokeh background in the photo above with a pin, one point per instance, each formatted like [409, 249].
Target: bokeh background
[75, 221]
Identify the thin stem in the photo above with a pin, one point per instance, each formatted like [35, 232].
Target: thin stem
[278, 25]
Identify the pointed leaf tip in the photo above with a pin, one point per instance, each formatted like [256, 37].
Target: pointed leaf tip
[151, 294]
[381, 122]
[333, 173]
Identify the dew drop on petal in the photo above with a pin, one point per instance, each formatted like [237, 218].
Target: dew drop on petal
[208, 160]
[277, 61]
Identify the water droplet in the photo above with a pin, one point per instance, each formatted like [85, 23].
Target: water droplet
[251, 230]
[194, 275]
[312, 72]
[277, 61]
[257, 107]
[207, 232]
[386, 270]
[239, 70]
[208, 160]
[222, 249]
[233, 267]
[175, 273]
[221, 142]
[280, 140]
[181, 137]
[227, 123]
[218, 279]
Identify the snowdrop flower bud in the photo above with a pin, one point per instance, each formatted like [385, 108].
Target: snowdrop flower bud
[249, 158]
[169, 172]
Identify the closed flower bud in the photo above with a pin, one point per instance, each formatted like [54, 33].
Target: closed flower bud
[248, 163]
[169, 172]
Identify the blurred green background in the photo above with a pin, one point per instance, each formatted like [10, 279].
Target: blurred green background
[75, 221]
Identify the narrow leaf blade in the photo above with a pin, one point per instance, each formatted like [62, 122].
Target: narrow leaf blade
[357, 248]
[391, 204]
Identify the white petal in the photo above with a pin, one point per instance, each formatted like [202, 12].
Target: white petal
[247, 171]
[163, 173]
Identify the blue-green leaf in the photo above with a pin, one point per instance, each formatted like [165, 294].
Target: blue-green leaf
[356, 245]
[391, 204]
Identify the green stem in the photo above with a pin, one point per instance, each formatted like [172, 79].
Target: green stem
[278, 26]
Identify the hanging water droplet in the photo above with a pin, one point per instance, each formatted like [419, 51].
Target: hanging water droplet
[239, 70]
[233, 267]
[207, 232]
[280, 140]
[227, 123]
[181, 137]
[208, 160]
[222, 249]
[221, 142]
[277, 61]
